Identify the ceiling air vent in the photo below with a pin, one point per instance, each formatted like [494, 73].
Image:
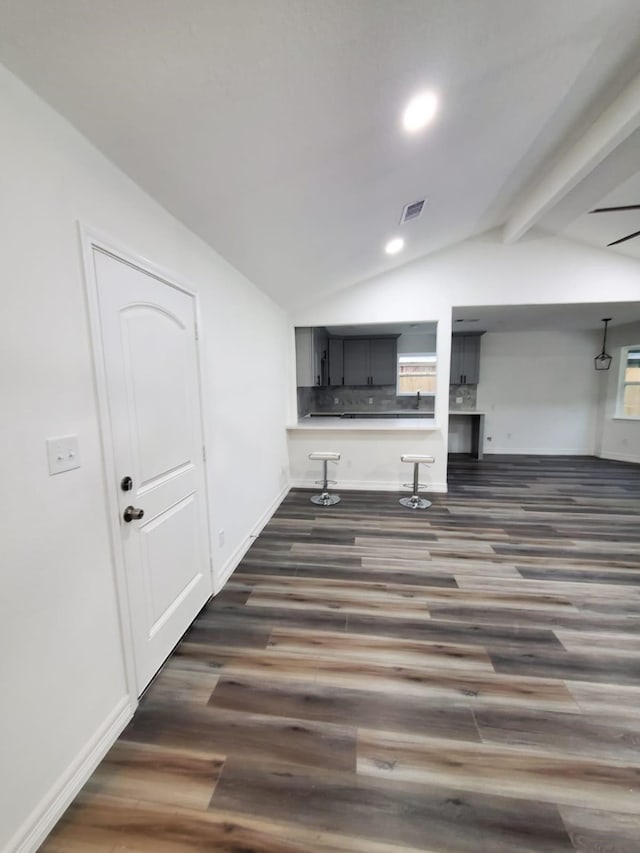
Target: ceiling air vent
[412, 211]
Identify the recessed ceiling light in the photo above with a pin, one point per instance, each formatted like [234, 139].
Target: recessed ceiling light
[419, 111]
[394, 246]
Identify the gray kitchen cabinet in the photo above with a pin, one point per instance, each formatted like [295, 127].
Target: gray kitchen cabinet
[465, 359]
[370, 361]
[336, 362]
[321, 355]
[311, 356]
[356, 361]
[383, 366]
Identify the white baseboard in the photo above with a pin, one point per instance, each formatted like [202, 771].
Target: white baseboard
[539, 451]
[53, 805]
[621, 457]
[370, 486]
[234, 559]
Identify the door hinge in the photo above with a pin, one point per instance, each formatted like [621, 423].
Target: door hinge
[195, 326]
[204, 453]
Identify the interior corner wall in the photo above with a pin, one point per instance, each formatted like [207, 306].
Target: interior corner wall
[619, 438]
[61, 668]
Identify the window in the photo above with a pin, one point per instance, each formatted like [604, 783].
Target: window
[629, 389]
[416, 372]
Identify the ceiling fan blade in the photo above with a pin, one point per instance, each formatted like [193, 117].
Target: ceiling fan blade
[613, 209]
[624, 239]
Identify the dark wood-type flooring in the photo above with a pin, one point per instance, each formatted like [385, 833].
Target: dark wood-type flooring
[374, 679]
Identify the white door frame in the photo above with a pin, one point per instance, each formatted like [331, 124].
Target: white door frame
[90, 239]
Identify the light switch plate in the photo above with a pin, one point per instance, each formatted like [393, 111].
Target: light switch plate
[63, 454]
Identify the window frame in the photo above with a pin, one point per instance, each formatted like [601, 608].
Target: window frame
[622, 384]
[400, 355]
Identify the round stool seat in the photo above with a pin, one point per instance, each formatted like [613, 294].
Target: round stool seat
[419, 458]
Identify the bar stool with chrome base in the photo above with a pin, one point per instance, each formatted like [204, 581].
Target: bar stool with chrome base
[325, 499]
[415, 501]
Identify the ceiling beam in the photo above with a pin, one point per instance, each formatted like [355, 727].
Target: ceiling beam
[620, 119]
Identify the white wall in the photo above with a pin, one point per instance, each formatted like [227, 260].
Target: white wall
[620, 438]
[370, 460]
[61, 668]
[539, 391]
[539, 269]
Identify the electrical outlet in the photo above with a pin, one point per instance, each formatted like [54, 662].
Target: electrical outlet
[489, 438]
[370, 401]
[335, 401]
[220, 538]
[62, 454]
[458, 399]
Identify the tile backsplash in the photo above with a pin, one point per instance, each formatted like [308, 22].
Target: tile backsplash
[305, 401]
[468, 395]
[355, 398]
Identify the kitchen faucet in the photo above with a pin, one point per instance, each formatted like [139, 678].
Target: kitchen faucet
[418, 400]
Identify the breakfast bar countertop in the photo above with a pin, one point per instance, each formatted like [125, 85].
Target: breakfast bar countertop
[368, 423]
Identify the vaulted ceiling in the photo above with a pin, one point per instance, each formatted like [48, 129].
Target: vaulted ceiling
[272, 128]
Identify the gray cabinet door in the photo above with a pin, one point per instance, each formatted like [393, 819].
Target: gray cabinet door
[320, 356]
[383, 361]
[471, 359]
[456, 360]
[356, 361]
[465, 360]
[336, 368]
[304, 357]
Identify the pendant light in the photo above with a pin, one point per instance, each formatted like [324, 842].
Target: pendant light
[603, 361]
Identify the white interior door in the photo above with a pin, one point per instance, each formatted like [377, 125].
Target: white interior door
[148, 334]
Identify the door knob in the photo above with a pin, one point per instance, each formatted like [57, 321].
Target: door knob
[132, 513]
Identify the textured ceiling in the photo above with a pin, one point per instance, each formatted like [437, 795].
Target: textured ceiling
[272, 127]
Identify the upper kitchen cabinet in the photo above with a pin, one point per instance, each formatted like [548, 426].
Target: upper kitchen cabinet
[312, 356]
[383, 356]
[336, 361]
[362, 354]
[370, 361]
[356, 361]
[465, 359]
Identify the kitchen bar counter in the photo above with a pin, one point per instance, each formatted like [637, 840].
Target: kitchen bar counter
[368, 423]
